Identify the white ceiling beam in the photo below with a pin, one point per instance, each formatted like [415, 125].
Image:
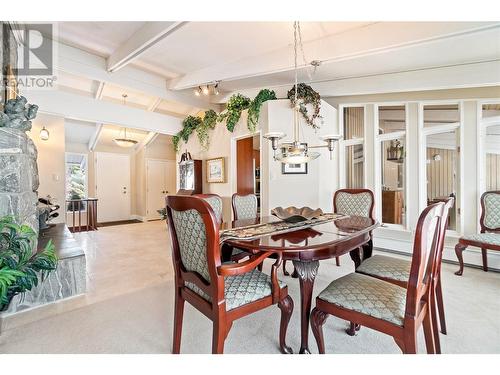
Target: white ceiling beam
[375, 38]
[99, 91]
[155, 104]
[483, 74]
[142, 40]
[95, 137]
[79, 107]
[149, 138]
[86, 65]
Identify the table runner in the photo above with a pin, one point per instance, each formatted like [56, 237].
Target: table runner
[252, 232]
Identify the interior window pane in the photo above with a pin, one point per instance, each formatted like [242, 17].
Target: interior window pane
[354, 118]
[491, 110]
[393, 181]
[76, 177]
[442, 171]
[492, 157]
[435, 115]
[391, 119]
[354, 166]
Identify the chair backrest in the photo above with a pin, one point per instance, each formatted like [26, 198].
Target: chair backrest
[355, 202]
[244, 206]
[490, 215]
[442, 232]
[194, 232]
[425, 246]
[215, 201]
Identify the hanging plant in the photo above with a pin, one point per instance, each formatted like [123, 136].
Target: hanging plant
[175, 141]
[189, 124]
[236, 104]
[210, 119]
[306, 95]
[255, 105]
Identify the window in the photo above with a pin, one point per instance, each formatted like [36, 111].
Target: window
[442, 161]
[392, 143]
[491, 122]
[76, 177]
[354, 118]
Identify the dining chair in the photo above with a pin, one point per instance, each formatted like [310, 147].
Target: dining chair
[397, 271]
[355, 202]
[222, 292]
[489, 236]
[386, 307]
[245, 206]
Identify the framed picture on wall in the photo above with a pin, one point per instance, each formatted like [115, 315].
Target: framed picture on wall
[294, 168]
[215, 170]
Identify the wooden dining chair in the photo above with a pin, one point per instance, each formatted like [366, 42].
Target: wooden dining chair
[489, 236]
[386, 307]
[245, 206]
[355, 202]
[222, 292]
[397, 271]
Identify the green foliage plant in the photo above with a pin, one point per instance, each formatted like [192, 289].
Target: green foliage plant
[255, 106]
[306, 95]
[20, 268]
[236, 104]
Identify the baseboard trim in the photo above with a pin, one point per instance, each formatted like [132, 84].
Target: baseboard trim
[404, 253]
[138, 217]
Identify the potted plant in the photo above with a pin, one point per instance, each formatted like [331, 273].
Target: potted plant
[20, 267]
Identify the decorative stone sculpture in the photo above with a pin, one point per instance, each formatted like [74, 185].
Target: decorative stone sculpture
[18, 114]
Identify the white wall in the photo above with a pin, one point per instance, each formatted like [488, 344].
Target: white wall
[51, 162]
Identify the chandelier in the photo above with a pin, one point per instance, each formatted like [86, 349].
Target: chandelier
[297, 151]
[124, 141]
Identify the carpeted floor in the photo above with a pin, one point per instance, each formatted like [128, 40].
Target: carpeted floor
[141, 322]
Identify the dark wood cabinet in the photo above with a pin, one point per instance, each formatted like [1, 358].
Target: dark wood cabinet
[190, 177]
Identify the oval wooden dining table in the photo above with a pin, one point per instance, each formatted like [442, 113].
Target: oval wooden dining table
[306, 247]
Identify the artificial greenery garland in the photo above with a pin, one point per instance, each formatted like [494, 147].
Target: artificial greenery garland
[306, 95]
[236, 104]
[255, 105]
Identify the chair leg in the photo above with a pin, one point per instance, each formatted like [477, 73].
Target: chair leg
[435, 330]
[286, 307]
[410, 343]
[485, 259]
[353, 328]
[459, 249]
[428, 331]
[218, 337]
[337, 261]
[318, 318]
[440, 306]
[178, 315]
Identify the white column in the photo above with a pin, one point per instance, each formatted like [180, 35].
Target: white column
[416, 193]
[470, 169]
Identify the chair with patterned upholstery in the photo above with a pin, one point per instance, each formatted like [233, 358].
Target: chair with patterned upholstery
[355, 202]
[489, 237]
[397, 271]
[386, 307]
[244, 206]
[222, 292]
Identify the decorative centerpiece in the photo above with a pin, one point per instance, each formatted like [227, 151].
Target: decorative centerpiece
[294, 215]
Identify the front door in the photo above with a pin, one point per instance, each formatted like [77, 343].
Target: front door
[112, 186]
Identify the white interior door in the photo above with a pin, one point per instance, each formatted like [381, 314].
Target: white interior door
[160, 175]
[112, 186]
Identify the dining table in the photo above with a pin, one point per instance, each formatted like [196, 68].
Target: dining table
[305, 246]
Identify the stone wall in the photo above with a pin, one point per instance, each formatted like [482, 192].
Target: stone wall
[18, 177]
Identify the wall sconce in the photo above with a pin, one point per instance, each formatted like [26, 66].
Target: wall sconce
[44, 134]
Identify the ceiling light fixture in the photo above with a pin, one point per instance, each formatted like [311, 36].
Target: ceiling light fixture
[124, 141]
[197, 91]
[296, 151]
[206, 90]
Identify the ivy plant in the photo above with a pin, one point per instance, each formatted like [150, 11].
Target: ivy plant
[254, 108]
[306, 95]
[236, 104]
[20, 269]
